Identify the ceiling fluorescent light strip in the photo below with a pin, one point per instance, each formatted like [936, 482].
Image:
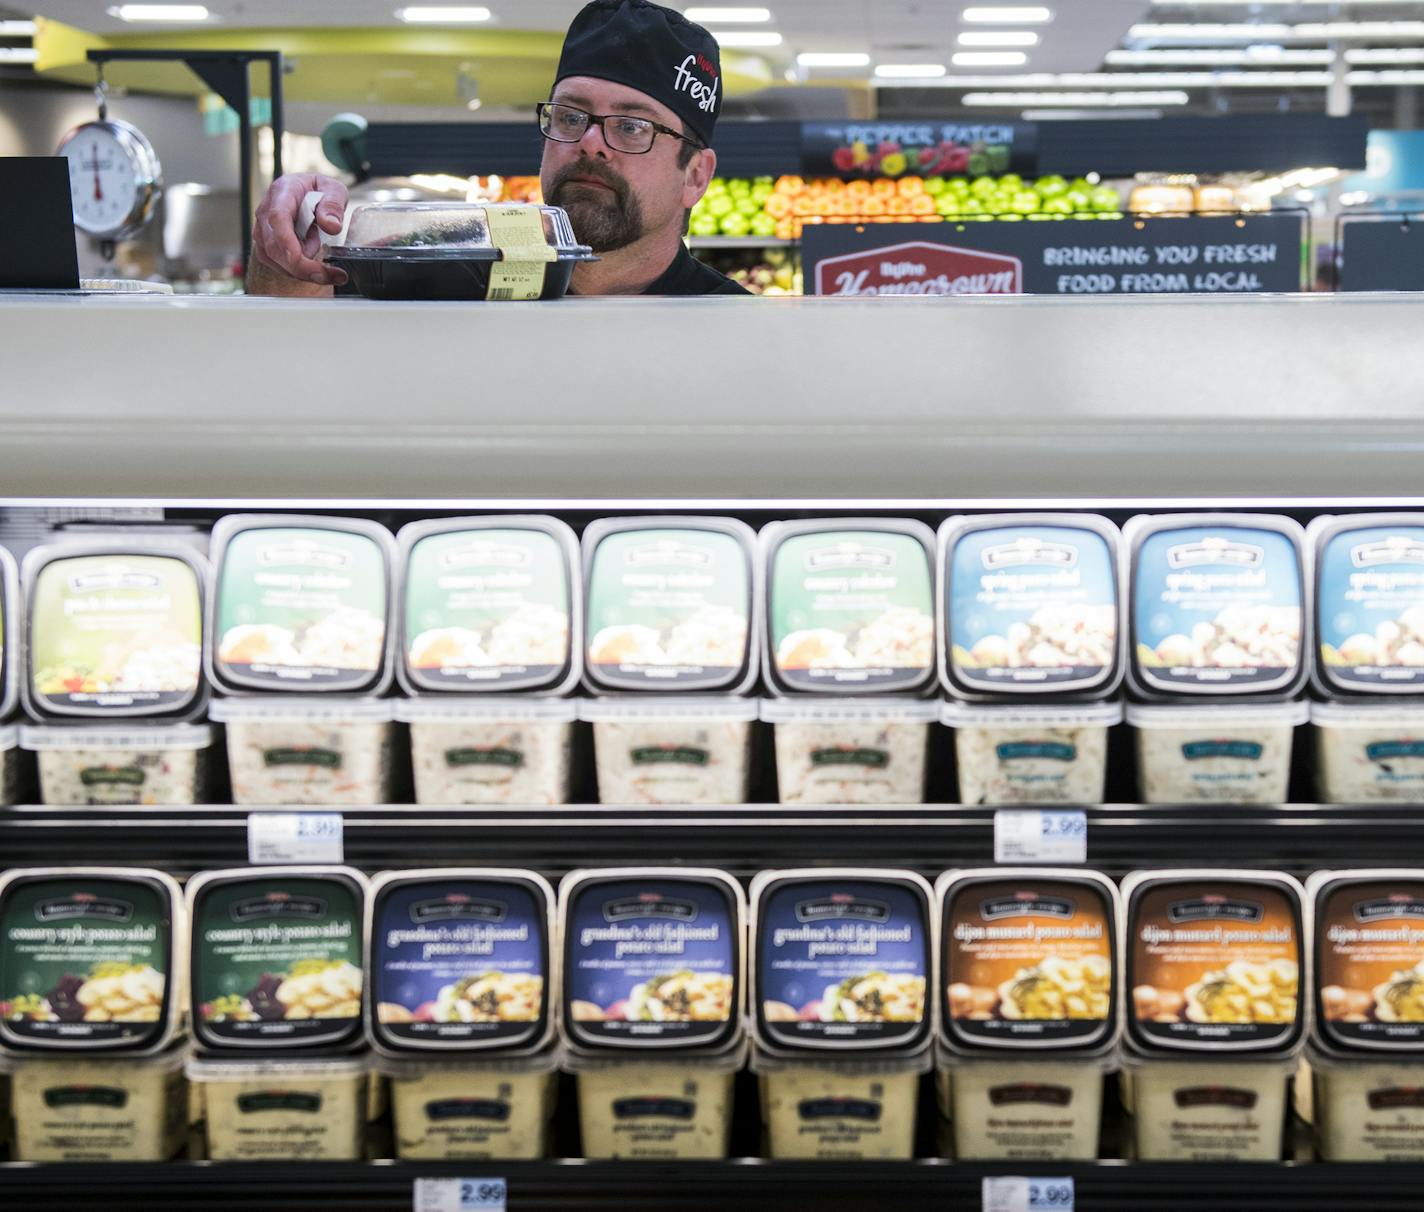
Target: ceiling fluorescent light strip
[1047, 100]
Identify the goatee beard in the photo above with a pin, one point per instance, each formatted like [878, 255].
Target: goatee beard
[605, 222]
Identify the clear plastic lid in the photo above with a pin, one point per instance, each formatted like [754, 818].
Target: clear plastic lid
[451, 1063]
[434, 230]
[211, 1069]
[764, 1063]
[1333, 1062]
[1030, 715]
[1101, 1062]
[814, 711]
[160, 1062]
[114, 736]
[1237, 715]
[1132, 1062]
[515, 709]
[667, 707]
[9, 736]
[1368, 715]
[302, 708]
[721, 1062]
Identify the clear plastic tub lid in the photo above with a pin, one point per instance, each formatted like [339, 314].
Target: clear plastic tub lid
[1372, 714]
[829, 711]
[1239, 715]
[168, 1061]
[321, 1068]
[9, 736]
[302, 708]
[1288, 1063]
[763, 1062]
[729, 1061]
[667, 707]
[1328, 1061]
[112, 736]
[415, 1068]
[1031, 715]
[458, 230]
[1107, 1061]
[514, 709]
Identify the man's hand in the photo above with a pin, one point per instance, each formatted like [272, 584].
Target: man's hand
[284, 259]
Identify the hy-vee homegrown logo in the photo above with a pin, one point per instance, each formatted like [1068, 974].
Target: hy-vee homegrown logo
[920, 268]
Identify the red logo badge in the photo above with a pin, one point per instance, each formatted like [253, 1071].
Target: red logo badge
[920, 268]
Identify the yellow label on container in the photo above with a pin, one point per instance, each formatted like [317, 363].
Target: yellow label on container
[515, 280]
[518, 232]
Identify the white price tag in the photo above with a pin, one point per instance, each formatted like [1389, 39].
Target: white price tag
[294, 837]
[1040, 835]
[1010, 1194]
[460, 1195]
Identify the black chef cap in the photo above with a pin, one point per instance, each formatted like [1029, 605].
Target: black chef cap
[654, 50]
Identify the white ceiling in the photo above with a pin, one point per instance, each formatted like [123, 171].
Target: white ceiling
[891, 31]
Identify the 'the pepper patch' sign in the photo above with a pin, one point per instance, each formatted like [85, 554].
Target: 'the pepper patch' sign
[924, 149]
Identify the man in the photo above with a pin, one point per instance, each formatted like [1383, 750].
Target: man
[627, 153]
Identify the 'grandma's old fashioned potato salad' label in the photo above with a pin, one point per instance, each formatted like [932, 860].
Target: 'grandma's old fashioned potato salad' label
[668, 608]
[85, 962]
[298, 606]
[460, 962]
[1371, 608]
[1214, 963]
[842, 963]
[851, 608]
[1027, 963]
[1031, 607]
[277, 962]
[1217, 607]
[1370, 964]
[651, 963]
[115, 632]
[487, 609]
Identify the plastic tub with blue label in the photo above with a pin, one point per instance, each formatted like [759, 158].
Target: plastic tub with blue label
[1218, 605]
[1369, 752]
[1030, 606]
[1222, 753]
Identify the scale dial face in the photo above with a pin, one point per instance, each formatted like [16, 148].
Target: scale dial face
[113, 178]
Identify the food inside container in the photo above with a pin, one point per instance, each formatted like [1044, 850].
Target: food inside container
[671, 605]
[1030, 606]
[1213, 962]
[475, 1110]
[850, 606]
[305, 749]
[850, 751]
[1230, 753]
[1222, 1109]
[498, 749]
[1370, 1109]
[1369, 603]
[840, 1110]
[1218, 605]
[460, 961]
[489, 604]
[283, 1110]
[1027, 960]
[652, 959]
[841, 961]
[98, 1108]
[115, 630]
[276, 958]
[1369, 752]
[675, 1107]
[1031, 753]
[1047, 1108]
[655, 749]
[300, 605]
[89, 960]
[459, 251]
[151, 764]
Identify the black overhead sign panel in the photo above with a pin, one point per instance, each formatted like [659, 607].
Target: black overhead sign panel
[1379, 253]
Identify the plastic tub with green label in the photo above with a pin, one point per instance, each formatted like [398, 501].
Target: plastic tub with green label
[276, 958]
[304, 749]
[300, 605]
[121, 764]
[673, 605]
[849, 606]
[115, 630]
[489, 605]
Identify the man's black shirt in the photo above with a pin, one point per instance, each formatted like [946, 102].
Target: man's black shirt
[689, 276]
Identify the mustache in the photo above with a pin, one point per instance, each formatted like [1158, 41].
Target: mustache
[595, 171]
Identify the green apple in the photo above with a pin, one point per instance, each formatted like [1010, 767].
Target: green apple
[1025, 202]
[1058, 206]
[736, 225]
[1051, 186]
[982, 187]
[721, 206]
[1105, 198]
[934, 186]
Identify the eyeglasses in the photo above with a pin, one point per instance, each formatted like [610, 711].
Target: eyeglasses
[622, 132]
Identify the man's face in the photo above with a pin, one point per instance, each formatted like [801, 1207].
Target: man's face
[613, 198]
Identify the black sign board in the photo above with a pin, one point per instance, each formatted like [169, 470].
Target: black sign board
[1194, 254]
[1381, 252]
[928, 148]
[37, 248]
